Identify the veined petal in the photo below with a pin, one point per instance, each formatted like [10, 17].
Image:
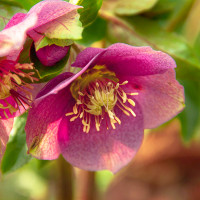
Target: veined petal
[5, 129]
[50, 10]
[161, 97]
[105, 149]
[43, 123]
[124, 59]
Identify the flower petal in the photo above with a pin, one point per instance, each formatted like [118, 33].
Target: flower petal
[5, 129]
[161, 97]
[43, 123]
[107, 149]
[50, 10]
[124, 59]
[16, 19]
[50, 55]
[13, 38]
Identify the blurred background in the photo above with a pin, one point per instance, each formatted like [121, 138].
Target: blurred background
[168, 162]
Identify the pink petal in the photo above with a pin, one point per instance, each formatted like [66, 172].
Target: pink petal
[16, 19]
[124, 59]
[50, 10]
[13, 38]
[50, 55]
[161, 97]
[5, 129]
[43, 123]
[107, 149]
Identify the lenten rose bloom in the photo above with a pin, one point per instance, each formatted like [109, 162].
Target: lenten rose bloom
[57, 23]
[15, 92]
[96, 118]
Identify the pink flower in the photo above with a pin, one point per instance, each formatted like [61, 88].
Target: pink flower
[15, 92]
[57, 23]
[96, 117]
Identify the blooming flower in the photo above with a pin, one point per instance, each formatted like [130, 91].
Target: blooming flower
[96, 117]
[14, 91]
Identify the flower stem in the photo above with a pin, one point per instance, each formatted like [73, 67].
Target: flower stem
[64, 182]
[85, 185]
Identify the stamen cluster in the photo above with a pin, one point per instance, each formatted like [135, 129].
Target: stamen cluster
[99, 98]
[12, 83]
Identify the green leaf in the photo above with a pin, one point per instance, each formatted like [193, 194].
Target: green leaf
[190, 116]
[27, 4]
[141, 31]
[47, 41]
[8, 9]
[46, 73]
[16, 151]
[192, 25]
[89, 11]
[162, 6]
[133, 7]
[95, 32]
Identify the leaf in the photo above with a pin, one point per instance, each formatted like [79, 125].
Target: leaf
[47, 41]
[162, 6]
[179, 13]
[15, 155]
[141, 31]
[191, 114]
[27, 4]
[95, 32]
[89, 11]
[47, 73]
[7, 10]
[192, 25]
[133, 7]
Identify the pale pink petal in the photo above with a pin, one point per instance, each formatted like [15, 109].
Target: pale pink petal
[5, 129]
[13, 38]
[107, 149]
[161, 97]
[50, 10]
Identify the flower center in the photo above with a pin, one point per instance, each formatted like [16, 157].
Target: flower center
[12, 83]
[97, 91]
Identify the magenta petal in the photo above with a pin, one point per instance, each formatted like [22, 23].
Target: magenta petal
[50, 55]
[5, 129]
[124, 59]
[107, 149]
[161, 97]
[43, 123]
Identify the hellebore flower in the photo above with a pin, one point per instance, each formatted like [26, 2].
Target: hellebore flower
[57, 26]
[96, 117]
[15, 93]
